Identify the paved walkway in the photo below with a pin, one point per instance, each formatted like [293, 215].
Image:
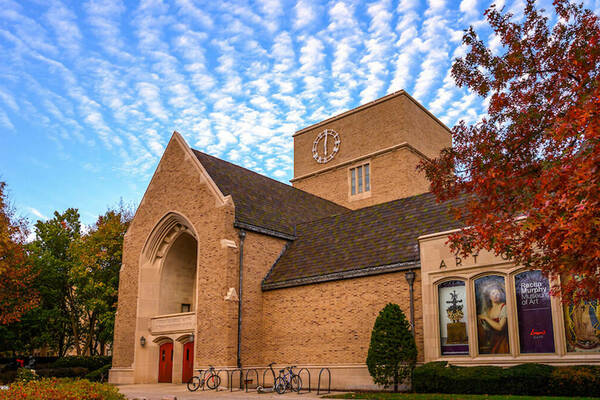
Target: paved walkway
[160, 390]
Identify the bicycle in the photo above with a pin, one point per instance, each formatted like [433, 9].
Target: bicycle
[288, 381]
[212, 381]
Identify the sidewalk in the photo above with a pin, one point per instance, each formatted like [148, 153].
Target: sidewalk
[159, 390]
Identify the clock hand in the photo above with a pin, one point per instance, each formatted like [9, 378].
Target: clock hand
[325, 145]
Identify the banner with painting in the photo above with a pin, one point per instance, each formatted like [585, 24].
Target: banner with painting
[582, 325]
[492, 321]
[534, 312]
[453, 318]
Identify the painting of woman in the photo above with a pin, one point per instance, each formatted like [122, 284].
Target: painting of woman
[492, 325]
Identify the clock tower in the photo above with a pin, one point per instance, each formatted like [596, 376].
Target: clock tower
[368, 155]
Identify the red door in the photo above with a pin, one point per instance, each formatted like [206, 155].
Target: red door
[188, 361]
[165, 363]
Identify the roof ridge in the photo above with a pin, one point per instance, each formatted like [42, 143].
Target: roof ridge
[271, 179]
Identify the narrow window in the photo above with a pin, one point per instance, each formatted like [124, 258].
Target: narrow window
[185, 308]
[353, 180]
[359, 177]
[453, 318]
[367, 183]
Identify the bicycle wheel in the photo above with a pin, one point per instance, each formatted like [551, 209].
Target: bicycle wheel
[279, 385]
[213, 381]
[193, 384]
[296, 383]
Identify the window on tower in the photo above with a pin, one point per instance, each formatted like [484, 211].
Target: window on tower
[360, 177]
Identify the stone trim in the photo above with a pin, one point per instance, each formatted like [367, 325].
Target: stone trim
[371, 104]
[337, 276]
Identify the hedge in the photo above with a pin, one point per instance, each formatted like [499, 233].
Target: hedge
[90, 362]
[524, 379]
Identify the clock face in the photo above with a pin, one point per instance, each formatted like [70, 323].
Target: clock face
[326, 146]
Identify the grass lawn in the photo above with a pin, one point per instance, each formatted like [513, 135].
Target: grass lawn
[437, 396]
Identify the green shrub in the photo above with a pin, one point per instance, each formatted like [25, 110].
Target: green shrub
[72, 372]
[583, 380]
[392, 351]
[60, 389]
[99, 375]
[90, 362]
[26, 375]
[529, 379]
[524, 379]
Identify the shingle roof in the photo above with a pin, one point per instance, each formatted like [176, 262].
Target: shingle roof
[380, 235]
[264, 202]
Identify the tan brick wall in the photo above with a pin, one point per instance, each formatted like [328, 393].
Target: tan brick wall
[394, 120]
[260, 252]
[393, 176]
[330, 323]
[178, 186]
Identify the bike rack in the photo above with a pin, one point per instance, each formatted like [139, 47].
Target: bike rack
[218, 373]
[308, 372]
[265, 374]
[246, 378]
[230, 373]
[319, 386]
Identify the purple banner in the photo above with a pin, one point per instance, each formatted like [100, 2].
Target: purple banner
[534, 312]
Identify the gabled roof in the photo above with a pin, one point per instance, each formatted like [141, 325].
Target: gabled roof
[264, 203]
[370, 240]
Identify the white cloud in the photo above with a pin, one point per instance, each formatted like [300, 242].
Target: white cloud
[5, 122]
[305, 14]
[37, 213]
[150, 95]
[63, 21]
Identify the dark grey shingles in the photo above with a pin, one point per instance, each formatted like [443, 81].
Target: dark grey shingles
[379, 235]
[265, 202]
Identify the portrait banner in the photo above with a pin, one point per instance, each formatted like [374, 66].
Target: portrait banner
[534, 312]
[492, 321]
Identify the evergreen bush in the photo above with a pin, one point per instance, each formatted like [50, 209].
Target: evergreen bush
[392, 352]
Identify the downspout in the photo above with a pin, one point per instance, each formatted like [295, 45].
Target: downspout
[410, 278]
[242, 235]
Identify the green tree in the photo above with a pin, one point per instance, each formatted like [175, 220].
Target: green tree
[392, 353]
[95, 274]
[57, 322]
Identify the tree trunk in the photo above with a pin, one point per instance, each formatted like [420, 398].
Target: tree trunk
[396, 382]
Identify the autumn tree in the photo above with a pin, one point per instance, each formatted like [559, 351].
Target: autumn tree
[530, 170]
[16, 293]
[95, 274]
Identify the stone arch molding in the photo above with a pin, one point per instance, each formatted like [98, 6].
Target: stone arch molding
[164, 234]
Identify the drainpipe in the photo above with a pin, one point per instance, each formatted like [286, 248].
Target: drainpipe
[410, 278]
[242, 235]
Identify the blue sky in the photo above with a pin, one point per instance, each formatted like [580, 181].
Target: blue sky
[90, 91]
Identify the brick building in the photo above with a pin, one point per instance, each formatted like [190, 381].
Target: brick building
[223, 266]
